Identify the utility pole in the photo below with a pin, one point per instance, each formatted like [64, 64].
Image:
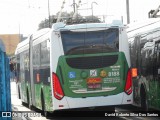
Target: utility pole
[74, 7]
[92, 8]
[127, 9]
[49, 15]
[75, 15]
[60, 13]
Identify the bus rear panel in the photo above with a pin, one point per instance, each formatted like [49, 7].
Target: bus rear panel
[91, 71]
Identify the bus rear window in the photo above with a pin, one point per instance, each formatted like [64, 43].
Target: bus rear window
[90, 42]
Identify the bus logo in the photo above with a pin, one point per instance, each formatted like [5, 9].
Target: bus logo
[72, 75]
[93, 73]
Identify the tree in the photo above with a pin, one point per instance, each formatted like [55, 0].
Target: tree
[45, 23]
[93, 19]
[53, 19]
[68, 19]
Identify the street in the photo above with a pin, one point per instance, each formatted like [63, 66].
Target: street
[20, 112]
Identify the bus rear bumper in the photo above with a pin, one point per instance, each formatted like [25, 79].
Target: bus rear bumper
[69, 102]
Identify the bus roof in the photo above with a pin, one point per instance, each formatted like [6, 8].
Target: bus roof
[61, 26]
[143, 26]
[22, 44]
[40, 33]
[35, 35]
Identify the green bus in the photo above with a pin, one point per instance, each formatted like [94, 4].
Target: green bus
[75, 66]
[144, 39]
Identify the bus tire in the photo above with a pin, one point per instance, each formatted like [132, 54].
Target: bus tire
[44, 112]
[144, 101]
[28, 101]
[19, 95]
[23, 103]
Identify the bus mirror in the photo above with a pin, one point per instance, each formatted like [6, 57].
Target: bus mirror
[134, 72]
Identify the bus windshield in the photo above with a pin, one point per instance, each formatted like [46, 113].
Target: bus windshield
[90, 42]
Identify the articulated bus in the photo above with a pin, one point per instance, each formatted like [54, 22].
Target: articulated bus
[75, 66]
[144, 39]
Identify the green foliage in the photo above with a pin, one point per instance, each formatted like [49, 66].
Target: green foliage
[67, 18]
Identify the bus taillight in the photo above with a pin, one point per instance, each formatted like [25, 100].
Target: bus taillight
[57, 88]
[128, 86]
[134, 72]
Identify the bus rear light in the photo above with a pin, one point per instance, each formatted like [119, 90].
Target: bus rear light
[57, 88]
[128, 86]
[134, 72]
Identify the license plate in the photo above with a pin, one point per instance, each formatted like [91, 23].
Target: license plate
[94, 86]
[94, 83]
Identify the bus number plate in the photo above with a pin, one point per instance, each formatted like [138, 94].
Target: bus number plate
[94, 86]
[94, 83]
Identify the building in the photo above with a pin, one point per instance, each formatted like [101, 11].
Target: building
[10, 41]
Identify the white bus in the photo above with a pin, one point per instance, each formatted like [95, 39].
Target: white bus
[75, 66]
[144, 39]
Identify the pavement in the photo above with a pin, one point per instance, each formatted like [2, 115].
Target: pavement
[19, 111]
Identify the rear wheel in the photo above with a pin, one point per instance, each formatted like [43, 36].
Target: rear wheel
[45, 113]
[19, 95]
[28, 101]
[24, 104]
[144, 101]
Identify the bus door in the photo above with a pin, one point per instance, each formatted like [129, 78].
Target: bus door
[31, 72]
[156, 69]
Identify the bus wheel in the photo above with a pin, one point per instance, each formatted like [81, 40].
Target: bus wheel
[144, 101]
[19, 95]
[28, 101]
[45, 113]
[24, 104]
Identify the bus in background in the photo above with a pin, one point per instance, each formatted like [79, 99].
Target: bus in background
[144, 40]
[75, 66]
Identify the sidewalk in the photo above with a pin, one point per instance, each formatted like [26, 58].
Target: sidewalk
[18, 107]
[16, 103]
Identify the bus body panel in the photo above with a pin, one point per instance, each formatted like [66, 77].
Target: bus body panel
[90, 82]
[119, 99]
[144, 39]
[124, 46]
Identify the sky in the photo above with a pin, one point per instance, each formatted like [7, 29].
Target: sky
[23, 16]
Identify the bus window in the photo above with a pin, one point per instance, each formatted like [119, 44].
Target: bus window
[158, 59]
[155, 60]
[22, 75]
[36, 56]
[44, 54]
[17, 67]
[90, 42]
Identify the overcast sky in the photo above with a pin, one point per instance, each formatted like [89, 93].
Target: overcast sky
[23, 16]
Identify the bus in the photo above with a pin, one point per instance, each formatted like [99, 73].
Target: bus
[144, 40]
[75, 66]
